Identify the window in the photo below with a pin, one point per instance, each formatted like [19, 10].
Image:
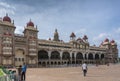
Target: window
[23, 59]
[19, 59]
[15, 59]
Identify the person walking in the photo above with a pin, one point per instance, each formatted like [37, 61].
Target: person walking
[24, 68]
[84, 68]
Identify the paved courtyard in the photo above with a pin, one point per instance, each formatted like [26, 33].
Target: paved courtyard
[100, 73]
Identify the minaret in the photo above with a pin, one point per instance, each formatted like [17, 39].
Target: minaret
[7, 52]
[31, 34]
[56, 36]
[114, 51]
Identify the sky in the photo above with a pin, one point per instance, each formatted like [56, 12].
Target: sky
[98, 19]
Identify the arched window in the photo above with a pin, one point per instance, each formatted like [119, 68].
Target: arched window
[96, 56]
[55, 55]
[90, 56]
[102, 56]
[42, 54]
[66, 56]
[79, 56]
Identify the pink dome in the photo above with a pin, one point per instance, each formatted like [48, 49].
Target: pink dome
[6, 18]
[112, 41]
[106, 40]
[30, 23]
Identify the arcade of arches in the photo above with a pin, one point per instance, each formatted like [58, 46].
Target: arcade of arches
[47, 58]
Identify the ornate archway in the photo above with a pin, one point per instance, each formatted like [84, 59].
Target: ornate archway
[42, 55]
[96, 57]
[19, 57]
[102, 56]
[90, 56]
[66, 56]
[55, 55]
[79, 56]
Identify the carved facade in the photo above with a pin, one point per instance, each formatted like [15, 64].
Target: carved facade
[16, 49]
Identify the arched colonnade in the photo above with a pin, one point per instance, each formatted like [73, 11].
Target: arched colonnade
[46, 58]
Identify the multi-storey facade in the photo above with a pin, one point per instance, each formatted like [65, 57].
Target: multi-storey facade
[16, 49]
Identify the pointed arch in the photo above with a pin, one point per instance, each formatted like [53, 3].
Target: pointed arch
[90, 56]
[79, 55]
[55, 55]
[65, 56]
[102, 56]
[96, 56]
[42, 54]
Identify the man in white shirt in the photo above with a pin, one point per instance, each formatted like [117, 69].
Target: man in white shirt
[84, 68]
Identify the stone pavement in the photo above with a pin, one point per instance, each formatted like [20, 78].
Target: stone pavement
[100, 73]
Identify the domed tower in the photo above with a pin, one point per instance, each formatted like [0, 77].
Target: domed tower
[114, 51]
[85, 38]
[113, 43]
[72, 36]
[111, 49]
[106, 43]
[7, 19]
[7, 41]
[31, 34]
[30, 30]
[56, 36]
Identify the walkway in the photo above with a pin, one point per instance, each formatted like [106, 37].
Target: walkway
[100, 73]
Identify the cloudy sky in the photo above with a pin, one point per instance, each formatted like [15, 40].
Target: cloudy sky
[98, 19]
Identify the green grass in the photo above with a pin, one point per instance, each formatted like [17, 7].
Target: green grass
[1, 72]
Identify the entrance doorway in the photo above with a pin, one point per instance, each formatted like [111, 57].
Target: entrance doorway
[19, 57]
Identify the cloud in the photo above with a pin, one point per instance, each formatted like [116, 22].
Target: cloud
[6, 5]
[81, 32]
[6, 8]
[117, 30]
[101, 36]
[19, 29]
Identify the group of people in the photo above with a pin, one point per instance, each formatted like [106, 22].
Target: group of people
[22, 72]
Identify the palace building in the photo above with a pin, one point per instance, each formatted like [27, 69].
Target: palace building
[15, 49]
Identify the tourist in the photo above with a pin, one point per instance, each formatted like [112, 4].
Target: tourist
[19, 72]
[84, 68]
[24, 68]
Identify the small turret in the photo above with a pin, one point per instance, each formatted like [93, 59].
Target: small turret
[85, 38]
[56, 36]
[72, 36]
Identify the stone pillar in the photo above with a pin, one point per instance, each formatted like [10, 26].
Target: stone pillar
[87, 56]
[71, 57]
[61, 53]
[94, 56]
[83, 57]
[75, 56]
[49, 55]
